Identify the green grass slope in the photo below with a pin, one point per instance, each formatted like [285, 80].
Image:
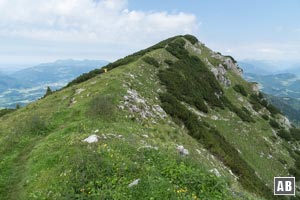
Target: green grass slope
[174, 121]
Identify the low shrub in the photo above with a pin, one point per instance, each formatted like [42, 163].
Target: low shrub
[151, 61]
[240, 89]
[274, 124]
[258, 102]
[295, 132]
[101, 106]
[272, 109]
[294, 171]
[282, 161]
[265, 117]
[176, 48]
[192, 39]
[169, 62]
[255, 101]
[243, 113]
[284, 135]
[34, 124]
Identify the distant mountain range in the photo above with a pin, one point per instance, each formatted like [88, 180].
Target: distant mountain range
[8, 81]
[282, 87]
[263, 67]
[29, 84]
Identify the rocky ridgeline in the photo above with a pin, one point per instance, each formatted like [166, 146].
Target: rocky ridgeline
[220, 70]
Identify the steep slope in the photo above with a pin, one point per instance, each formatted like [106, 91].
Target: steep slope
[174, 121]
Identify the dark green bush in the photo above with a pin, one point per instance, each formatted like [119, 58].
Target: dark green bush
[169, 62]
[258, 102]
[101, 106]
[192, 39]
[240, 89]
[265, 117]
[255, 101]
[284, 135]
[294, 171]
[85, 76]
[297, 152]
[151, 61]
[246, 111]
[272, 109]
[176, 48]
[282, 161]
[295, 132]
[243, 113]
[190, 81]
[274, 124]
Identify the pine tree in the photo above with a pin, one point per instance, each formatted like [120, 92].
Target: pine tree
[48, 91]
[18, 106]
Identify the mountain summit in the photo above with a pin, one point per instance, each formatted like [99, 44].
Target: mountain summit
[174, 121]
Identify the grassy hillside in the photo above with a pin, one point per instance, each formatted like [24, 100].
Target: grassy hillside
[174, 121]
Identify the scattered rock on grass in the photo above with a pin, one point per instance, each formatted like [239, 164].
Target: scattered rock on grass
[215, 171]
[78, 91]
[91, 139]
[182, 150]
[134, 183]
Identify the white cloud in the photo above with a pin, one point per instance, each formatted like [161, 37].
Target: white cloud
[275, 51]
[89, 21]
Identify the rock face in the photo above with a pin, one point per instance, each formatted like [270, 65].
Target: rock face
[228, 62]
[284, 121]
[220, 74]
[135, 103]
[255, 87]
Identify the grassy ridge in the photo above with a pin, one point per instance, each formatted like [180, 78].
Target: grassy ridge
[42, 155]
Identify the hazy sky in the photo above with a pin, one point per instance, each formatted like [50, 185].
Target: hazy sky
[33, 31]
